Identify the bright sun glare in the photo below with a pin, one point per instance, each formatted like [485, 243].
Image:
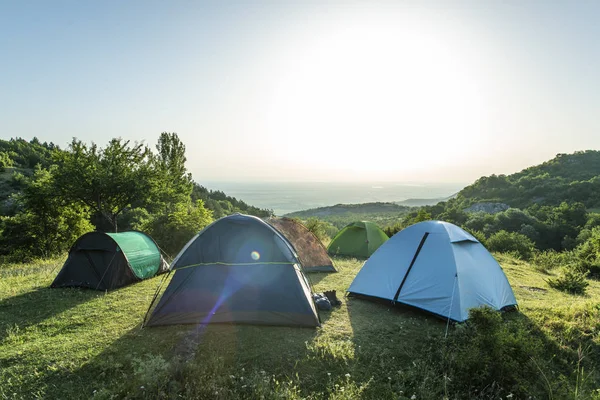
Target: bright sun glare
[397, 94]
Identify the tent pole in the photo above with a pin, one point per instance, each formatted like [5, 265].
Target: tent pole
[451, 301]
[156, 295]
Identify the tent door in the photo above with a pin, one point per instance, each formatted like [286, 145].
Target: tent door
[97, 254]
[411, 264]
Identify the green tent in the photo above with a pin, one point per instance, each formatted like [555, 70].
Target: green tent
[358, 239]
[106, 261]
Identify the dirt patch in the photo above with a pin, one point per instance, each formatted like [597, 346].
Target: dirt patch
[534, 289]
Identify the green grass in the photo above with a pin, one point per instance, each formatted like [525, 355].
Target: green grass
[70, 343]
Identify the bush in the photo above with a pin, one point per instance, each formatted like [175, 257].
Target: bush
[173, 230]
[492, 353]
[549, 260]
[505, 242]
[571, 280]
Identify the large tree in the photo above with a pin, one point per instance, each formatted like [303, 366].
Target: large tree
[107, 180]
[172, 184]
[45, 224]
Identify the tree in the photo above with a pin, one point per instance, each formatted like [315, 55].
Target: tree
[5, 161]
[45, 224]
[108, 180]
[172, 184]
[318, 228]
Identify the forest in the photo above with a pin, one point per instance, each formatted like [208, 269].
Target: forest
[50, 196]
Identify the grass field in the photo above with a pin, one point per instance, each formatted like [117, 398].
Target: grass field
[70, 344]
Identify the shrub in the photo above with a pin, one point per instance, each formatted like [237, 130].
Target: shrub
[571, 280]
[546, 261]
[173, 230]
[493, 353]
[504, 242]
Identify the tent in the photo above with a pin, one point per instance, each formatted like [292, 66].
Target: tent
[311, 252]
[358, 239]
[239, 269]
[105, 261]
[438, 267]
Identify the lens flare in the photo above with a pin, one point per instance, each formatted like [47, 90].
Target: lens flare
[255, 255]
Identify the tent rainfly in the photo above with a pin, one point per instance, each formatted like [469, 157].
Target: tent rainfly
[106, 261]
[358, 239]
[311, 252]
[239, 269]
[438, 267]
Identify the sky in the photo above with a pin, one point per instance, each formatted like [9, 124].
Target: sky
[374, 91]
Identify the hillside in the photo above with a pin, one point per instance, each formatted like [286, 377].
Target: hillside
[20, 156]
[341, 215]
[567, 177]
[81, 344]
[422, 202]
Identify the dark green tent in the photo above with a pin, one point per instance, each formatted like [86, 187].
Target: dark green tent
[106, 261]
[358, 239]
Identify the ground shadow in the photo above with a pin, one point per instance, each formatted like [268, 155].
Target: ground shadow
[31, 308]
[227, 348]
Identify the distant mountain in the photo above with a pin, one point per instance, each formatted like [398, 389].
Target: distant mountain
[341, 215]
[567, 177]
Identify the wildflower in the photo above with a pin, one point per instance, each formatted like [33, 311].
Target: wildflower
[413, 397]
[389, 378]
[232, 376]
[244, 386]
[141, 387]
[329, 374]
[347, 375]
[241, 378]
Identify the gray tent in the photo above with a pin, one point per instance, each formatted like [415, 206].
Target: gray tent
[241, 270]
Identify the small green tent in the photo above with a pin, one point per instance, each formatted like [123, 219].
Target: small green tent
[358, 239]
[106, 261]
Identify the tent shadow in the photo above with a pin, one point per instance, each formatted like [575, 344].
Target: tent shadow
[33, 307]
[372, 317]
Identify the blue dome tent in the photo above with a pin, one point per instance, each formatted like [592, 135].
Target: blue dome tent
[438, 267]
